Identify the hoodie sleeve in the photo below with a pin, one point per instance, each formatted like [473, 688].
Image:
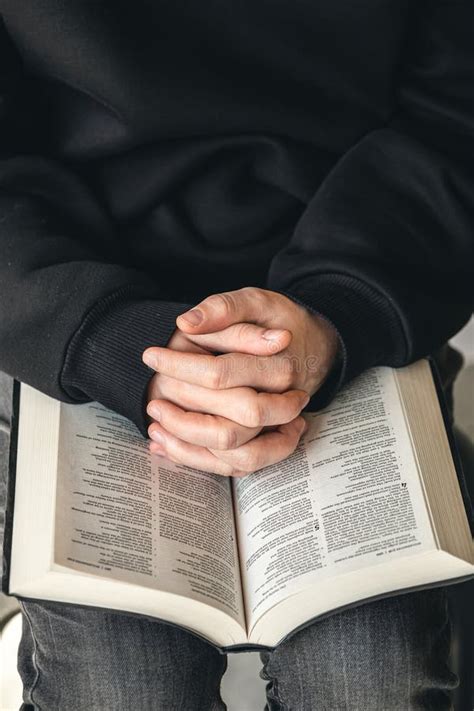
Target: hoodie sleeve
[385, 248]
[74, 319]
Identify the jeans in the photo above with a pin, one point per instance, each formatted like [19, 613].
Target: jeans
[386, 655]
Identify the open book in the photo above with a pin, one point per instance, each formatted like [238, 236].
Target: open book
[369, 504]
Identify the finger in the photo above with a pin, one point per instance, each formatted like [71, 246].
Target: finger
[199, 428]
[190, 455]
[244, 405]
[229, 370]
[181, 342]
[218, 311]
[244, 338]
[268, 448]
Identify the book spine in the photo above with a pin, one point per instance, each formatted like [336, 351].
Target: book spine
[458, 463]
[10, 501]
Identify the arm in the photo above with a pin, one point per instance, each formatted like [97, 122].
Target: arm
[385, 248]
[74, 320]
[384, 251]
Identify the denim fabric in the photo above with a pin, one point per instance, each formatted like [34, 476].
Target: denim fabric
[74, 659]
[387, 655]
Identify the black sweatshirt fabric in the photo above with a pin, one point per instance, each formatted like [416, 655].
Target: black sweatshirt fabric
[152, 153]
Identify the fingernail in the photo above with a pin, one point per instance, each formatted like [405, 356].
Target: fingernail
[306, 400]
[157, 437]
[193, 317]
[148, 359]
[154, 412]
[272, 334]
[305, 427]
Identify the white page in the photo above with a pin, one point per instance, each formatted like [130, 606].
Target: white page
[348, 498]
[123, 514]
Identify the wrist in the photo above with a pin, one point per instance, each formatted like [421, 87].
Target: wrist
[103, 361]
[329, 346]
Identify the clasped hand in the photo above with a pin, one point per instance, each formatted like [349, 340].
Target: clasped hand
[231, 383]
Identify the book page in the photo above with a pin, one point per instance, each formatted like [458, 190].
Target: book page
[123, 514]
[349, 497]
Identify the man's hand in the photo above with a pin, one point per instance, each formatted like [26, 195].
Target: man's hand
[303, 362]
[211, 408]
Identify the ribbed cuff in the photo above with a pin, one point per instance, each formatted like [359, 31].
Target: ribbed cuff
[104, 359]
[368, 325]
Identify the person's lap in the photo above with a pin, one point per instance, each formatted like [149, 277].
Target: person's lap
[388, 654]
[75, 659]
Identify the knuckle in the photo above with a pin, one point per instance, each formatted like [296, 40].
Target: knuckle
[217, 376]
[224, 302]
[213, 379]
[253, 292]
[284, 378]
[243, 331]
[253, 415]
[259, 298]
[226, 438]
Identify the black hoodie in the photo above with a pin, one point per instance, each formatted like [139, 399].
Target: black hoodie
[152, 153]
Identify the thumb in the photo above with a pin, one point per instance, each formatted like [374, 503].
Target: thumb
[219, 311]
